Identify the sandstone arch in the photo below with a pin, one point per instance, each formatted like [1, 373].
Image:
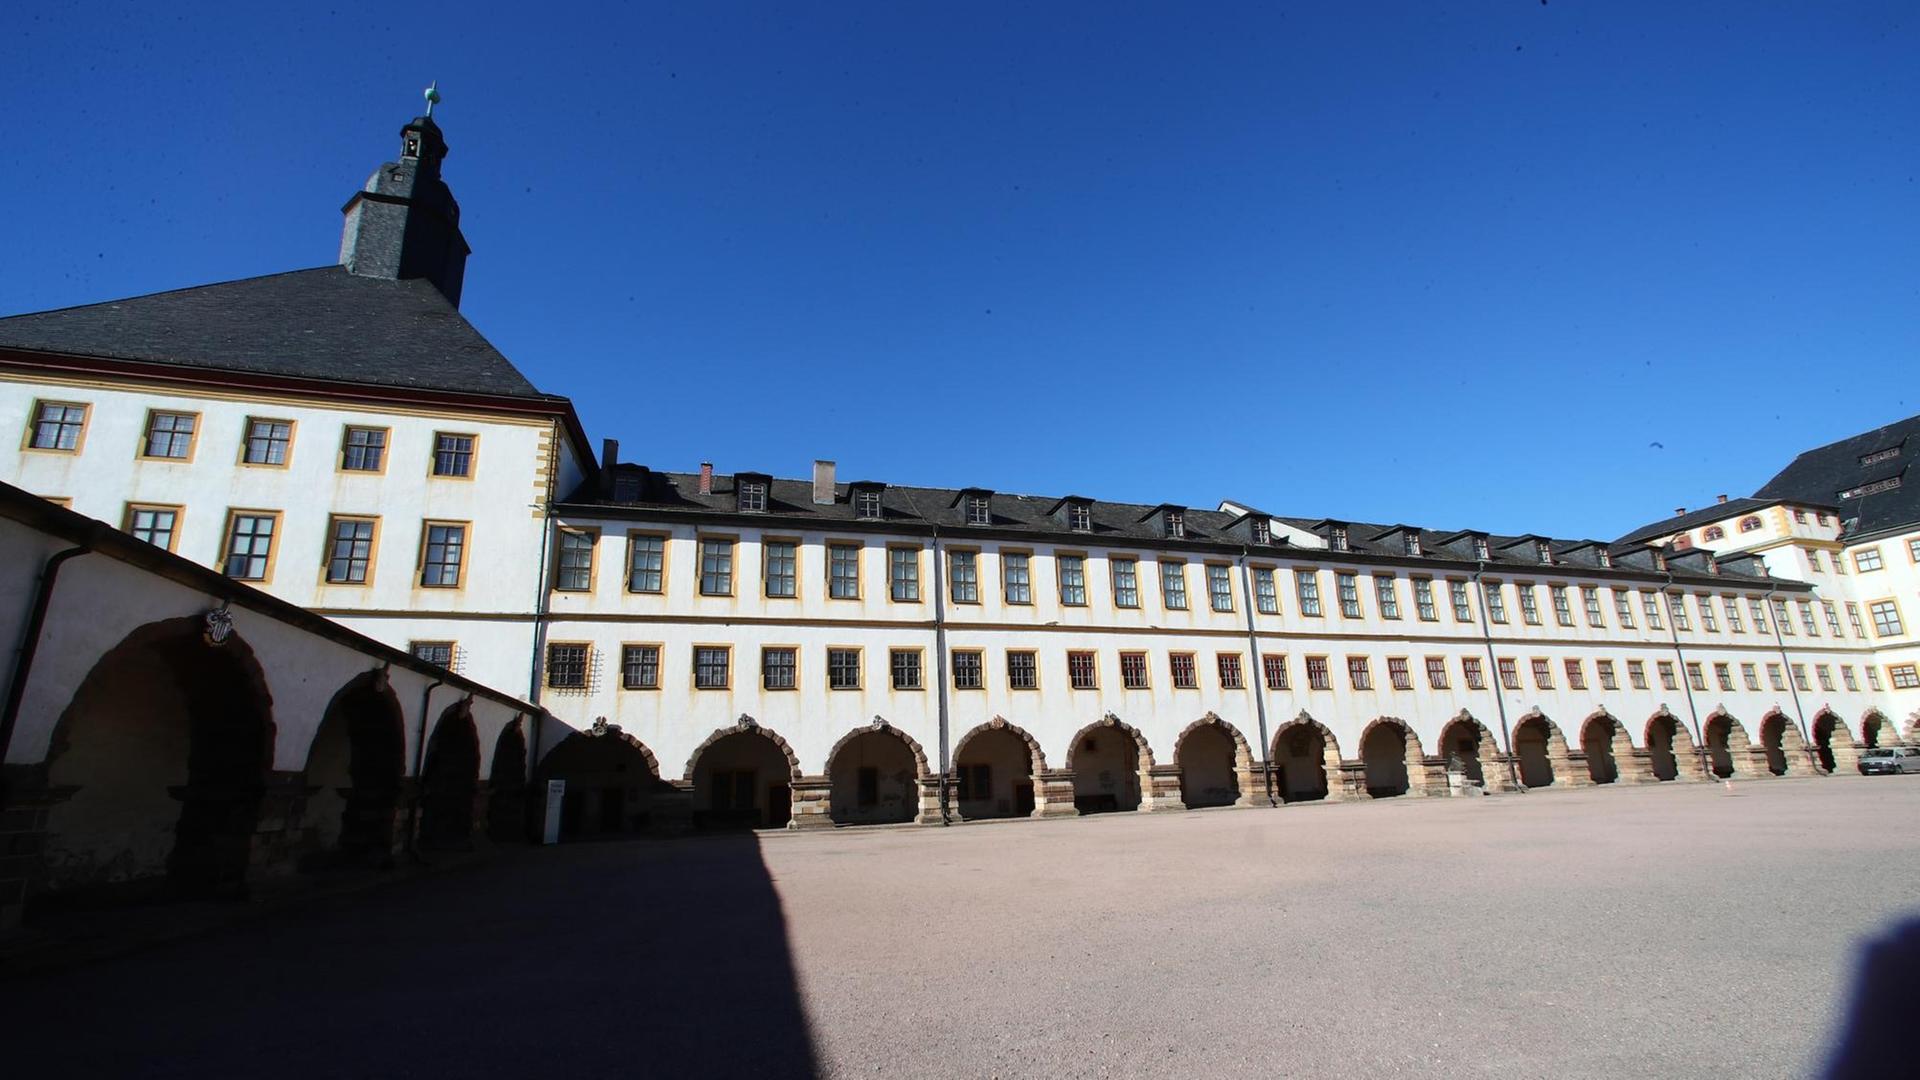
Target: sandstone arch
[874, 776]
[1306, 758]
[1671, 751]
[1111, 765]
[1215, 764]
[1727, 744]
[612, 780]
[1467, 740]
[1540, 751]
[1834, 746]
[1391, 758]
[1609, 750]
[995, 766]
[743, 776]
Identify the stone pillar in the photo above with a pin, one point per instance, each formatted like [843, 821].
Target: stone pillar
[1498, 770]
[279, 832]
[1162, 790]
[672, 807]
[1846, 756]
[1432, 778]
[1252, 778]
[1350, 782]
[812, 807]
[929, 812]
[1053, 794]
[24, 812]
[1636, 764]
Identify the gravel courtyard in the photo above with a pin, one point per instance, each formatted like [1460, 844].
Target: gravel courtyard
[1678, 930]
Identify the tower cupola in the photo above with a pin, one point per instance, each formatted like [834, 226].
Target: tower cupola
[404, 223]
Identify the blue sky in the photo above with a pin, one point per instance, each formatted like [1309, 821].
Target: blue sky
[1517, 266]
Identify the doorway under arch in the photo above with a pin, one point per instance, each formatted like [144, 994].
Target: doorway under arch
[1461, 742]
[1723, 734]
[1597, 740]
[1773, 733]
[507, 785]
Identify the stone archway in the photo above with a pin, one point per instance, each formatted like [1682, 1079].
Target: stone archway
[1466, 746]
[611, 779]
[743, 776]
[166, 746]
[1833, 744]
[450, 781]
[1726, 744]
[1541, 752]
[1215, 764]
[1876, 731]
[1671, 752]
[1773, 739]
[507, 785]
[1305, 758]
[1609, 751]
[875, 776]
[355, 770]
[995, 768]
[1112, 767]
[1392, 762]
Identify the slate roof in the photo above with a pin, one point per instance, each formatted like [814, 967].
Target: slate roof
[1693, 519]
[646, 490]
[323, 323]
[1819, 477]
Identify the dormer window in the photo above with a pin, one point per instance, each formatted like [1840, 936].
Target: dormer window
[1176, 524]
[1713, 567]
[979, 511]
[1606, 557]
[752, 495]
[626, 489]
[1079, 517]
[1410, 543]
[1659, 561]
[1545, 551]
[1480, 549]
[1262, 531]
[1337, 538]
[866, 503]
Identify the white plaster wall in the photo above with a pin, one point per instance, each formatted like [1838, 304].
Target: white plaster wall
[107, 473]
[673, 721]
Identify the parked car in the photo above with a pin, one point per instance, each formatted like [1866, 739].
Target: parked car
[1890, 759]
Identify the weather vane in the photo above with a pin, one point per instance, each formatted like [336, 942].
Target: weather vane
[433, 96]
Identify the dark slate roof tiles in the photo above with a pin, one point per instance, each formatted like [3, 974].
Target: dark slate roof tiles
[323, 323]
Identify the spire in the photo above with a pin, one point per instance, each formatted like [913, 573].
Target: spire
[404, 223]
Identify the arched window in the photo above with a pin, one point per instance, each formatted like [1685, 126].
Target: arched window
[1750, 524]
[1714, 532]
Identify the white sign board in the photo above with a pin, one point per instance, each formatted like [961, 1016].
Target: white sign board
[556, 794]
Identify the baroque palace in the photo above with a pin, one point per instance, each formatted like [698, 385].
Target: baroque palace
[710, 648]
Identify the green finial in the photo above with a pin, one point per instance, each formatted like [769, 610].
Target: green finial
[433, 96]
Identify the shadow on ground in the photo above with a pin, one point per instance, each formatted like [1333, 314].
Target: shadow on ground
[651, 958]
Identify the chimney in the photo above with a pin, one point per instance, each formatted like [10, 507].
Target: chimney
[1679, 511]
[823, 483]
[706, 478]
[609, 453]
[1720, 498]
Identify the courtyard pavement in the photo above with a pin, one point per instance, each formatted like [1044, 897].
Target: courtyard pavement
[1678, 930]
